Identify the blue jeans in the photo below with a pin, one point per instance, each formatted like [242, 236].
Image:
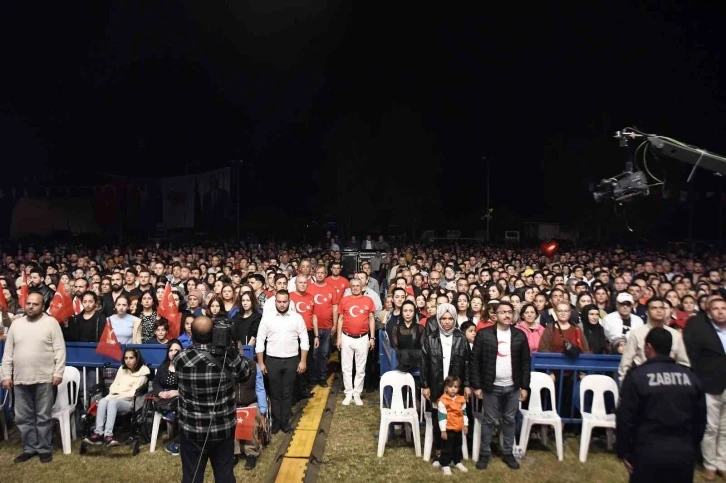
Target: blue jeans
[33, 409]
[319, 370]
[500, 407]
[106, 414]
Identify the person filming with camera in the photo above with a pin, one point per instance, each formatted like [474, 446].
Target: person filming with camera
[207, 374]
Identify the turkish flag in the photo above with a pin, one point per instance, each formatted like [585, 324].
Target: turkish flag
[245, 428]
[108, 345]
[169, 310]
[24, 290]
[61, 307]
[3, 301]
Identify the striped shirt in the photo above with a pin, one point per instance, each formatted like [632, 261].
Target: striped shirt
[198, 383]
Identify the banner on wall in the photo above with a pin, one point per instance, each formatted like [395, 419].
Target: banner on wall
[178, 201]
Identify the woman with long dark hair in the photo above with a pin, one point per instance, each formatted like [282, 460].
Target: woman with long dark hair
[132, 375]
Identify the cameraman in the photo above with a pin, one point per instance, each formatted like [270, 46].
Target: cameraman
[207, 377]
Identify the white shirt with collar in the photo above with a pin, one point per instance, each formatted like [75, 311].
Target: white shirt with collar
[447, 343]
[270, 308]
[284, 333]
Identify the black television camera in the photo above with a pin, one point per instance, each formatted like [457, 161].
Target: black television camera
[222, 337]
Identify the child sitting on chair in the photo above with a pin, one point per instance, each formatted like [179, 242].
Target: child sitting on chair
[452, 422]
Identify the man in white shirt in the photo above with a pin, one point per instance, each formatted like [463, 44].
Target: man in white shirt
[634, 354]
[283, 331]
[279, 284]
[621, 322]
[305, 268]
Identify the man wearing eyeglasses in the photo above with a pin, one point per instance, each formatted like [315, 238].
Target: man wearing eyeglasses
[499, 373]
[634, 354]
[621, 322]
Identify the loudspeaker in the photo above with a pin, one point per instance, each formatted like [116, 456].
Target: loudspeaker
[349, 261]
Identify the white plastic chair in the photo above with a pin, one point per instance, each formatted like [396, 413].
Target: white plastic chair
[536, 415]
[5, 401]
[155, 431]
[597, 417]
[477, 406]
[398, 412]
[65, 406]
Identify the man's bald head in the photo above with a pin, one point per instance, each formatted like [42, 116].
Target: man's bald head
[202, 330]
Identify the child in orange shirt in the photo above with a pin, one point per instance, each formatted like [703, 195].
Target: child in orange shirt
[452, 422]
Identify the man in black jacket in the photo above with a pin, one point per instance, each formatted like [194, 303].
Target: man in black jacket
[499, 372]
[36, 284]
[661, 416]
[445, 352]
[705, 339]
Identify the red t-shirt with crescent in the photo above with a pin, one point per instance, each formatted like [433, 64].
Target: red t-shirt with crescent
[340, 284]
[304, 305]
[355, 311]
[324, 298]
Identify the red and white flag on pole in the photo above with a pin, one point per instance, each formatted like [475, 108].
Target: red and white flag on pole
[169, 310]
[108, 345]
[61, 307]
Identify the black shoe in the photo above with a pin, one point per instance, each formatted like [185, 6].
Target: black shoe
[510, 461]
[305, 395]
[24, 457]
[251, 463]
[323, 383]
[275, 428]
[285, 428]
[483, 463]
[46, 457]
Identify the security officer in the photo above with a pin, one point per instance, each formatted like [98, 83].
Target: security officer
[661, 417]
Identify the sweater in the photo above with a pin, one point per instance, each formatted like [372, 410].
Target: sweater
[35, 352]
[127, 382]
[451, 413]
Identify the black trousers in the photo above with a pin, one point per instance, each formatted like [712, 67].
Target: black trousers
[451, 448]
[303, 380]
[220, 453]
[281, 373]
[667, 467]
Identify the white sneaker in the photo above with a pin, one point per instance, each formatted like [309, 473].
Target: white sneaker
[436, 464]
[347, 400]
[357, 400]
[447, 470]
[461, 467]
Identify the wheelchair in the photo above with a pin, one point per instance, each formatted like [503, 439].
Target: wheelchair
[133, 425]
[265, 431]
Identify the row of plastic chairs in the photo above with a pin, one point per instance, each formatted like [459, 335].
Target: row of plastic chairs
[406, 413]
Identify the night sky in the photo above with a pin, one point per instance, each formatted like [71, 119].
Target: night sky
[408, 97]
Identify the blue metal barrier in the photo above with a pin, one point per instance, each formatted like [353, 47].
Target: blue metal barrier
[561, 365]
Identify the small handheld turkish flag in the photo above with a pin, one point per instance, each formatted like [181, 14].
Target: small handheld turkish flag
[24, 290]
[3, 301]
[61, 307]
[169, 310]
[245, 428]
[108, 345]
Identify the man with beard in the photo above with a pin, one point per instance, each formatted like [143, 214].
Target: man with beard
[37, 285]
[117, 289]
[282, 332]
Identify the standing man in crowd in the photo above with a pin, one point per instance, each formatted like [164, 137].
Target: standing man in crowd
[33, 364]
[356, 337]
[287, 341]
[661, 416]
[499, 373]
[705, 339]
[36, 284]
[207, 415]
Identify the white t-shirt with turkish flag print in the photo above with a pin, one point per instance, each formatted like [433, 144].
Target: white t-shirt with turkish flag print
[356, 312]
[304, 306]
[504, 358]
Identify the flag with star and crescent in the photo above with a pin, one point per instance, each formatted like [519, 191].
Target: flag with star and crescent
[245, 428]
[61, 307]
[108, 345]
[169, 310]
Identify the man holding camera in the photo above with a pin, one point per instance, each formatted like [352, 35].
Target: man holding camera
[207, 376]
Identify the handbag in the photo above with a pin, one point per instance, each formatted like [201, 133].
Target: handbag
[569, 349]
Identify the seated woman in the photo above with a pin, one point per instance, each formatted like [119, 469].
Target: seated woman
[131, 376]
[166, 388]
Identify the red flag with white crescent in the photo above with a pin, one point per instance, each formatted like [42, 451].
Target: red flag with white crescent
[108, 345]
[169, 310]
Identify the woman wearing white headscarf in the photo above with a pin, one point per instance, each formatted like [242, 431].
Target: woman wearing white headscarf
[445, 352]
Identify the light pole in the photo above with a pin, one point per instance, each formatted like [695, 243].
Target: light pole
[488, 211]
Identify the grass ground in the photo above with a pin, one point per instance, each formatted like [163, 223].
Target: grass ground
[113, 465]
[350, 455]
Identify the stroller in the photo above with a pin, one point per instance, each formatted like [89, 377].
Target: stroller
[134, 425]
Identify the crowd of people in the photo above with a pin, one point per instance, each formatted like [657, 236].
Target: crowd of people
[444, 308]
